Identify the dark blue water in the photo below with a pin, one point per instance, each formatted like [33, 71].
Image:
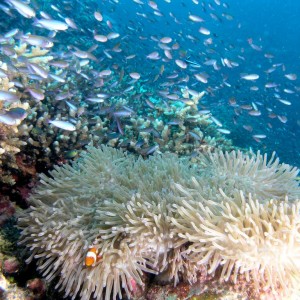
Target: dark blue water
[272, 25]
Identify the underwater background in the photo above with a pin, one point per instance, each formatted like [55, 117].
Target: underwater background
[149, 77]
[258, 38]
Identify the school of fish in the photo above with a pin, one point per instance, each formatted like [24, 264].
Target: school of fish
[145, 50]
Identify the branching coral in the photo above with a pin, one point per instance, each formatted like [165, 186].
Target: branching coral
[41, 80]
[10, 136]
[161, 216]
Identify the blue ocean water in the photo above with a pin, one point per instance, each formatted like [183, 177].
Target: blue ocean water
[273, 25]
[241, 38]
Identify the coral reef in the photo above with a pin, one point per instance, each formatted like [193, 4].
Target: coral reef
[125, 121]
[10, 141]
[7, 209]
[164, 216]
[136, 217]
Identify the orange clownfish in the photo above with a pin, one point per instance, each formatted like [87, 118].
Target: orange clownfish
[92, 257]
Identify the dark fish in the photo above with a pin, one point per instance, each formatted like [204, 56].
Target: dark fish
[195, 136]
[120, 129]
[17, 113]
[149, 150]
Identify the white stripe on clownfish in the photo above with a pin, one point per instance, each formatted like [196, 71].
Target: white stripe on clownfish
[92, 257]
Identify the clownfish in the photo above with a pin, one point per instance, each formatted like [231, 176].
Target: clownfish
[92, 257]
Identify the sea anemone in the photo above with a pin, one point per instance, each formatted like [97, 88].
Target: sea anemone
[162, 216]
[252, 173]
[240, 235]
[112, 201]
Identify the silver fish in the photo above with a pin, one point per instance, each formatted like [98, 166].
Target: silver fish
[65, 125]
[24, 9]
[9, 96]
[51, 24]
